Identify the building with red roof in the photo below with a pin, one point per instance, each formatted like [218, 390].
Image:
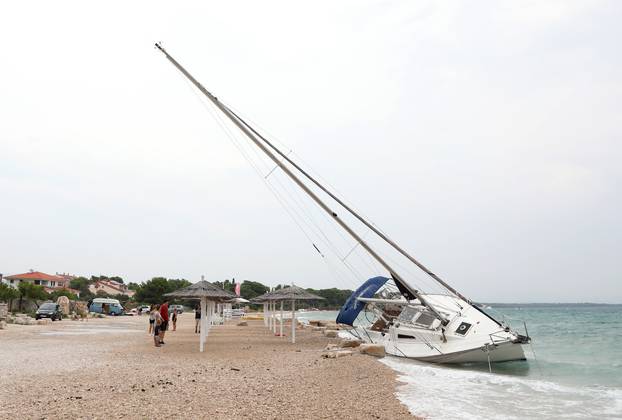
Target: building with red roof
[49, 282]
[110, 287]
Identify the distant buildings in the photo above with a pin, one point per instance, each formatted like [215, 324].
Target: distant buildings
[49, 282]
[110, 287]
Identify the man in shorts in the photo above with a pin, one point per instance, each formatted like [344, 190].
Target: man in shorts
[164, 314]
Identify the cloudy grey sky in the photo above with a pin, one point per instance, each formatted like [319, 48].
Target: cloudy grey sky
[485, 137]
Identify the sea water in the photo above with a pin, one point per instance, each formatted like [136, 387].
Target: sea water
[573, 371]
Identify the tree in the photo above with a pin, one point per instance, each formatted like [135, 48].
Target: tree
[32, 292]
[62, 292]
[153, 291]
[334, 298]
[82, 284]
[251, 289]
[133, 286]
[225, 285]
[116, 278]
[8, 293]
[102, 294]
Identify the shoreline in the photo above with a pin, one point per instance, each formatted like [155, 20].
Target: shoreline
[109, 368]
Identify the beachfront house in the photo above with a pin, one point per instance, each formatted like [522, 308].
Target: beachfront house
[110, 287]
[50, 282]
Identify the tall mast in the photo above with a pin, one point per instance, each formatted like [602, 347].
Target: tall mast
[401, 283]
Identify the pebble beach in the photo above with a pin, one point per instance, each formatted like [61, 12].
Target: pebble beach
[109, 368]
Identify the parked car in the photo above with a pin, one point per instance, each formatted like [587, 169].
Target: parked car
[180, 309]
[238, 313]
[106, 306]
[49, 310]
[144, 309]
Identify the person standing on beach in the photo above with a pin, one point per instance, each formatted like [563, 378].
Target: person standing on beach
[197, 319]
[157, 324]
[164, 326]
[174, 319]
[151, 318]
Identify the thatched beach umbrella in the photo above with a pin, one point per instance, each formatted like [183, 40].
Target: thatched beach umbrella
[290, 293]
[209, 295]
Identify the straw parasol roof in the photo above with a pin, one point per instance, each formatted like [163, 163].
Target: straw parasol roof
[290, 293]
[286, 293]
[202, 289]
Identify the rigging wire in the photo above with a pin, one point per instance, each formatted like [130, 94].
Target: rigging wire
[447, 290]
[302, 206]
[299, 193]
[272, 188]
[308, 167]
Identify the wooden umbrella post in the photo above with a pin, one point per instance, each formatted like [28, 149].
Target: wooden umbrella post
[203, 323]
[293, 321]
[269, 315]
[281, 334]
[274, 320]
[265, 314]
[209, 318]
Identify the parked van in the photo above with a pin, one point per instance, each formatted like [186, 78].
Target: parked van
[106, 306]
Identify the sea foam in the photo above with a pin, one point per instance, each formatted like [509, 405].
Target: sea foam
[440, 392]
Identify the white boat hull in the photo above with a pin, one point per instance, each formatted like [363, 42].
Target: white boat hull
[470, 336]
[445, 352]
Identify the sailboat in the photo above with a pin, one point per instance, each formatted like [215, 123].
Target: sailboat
[438, 328]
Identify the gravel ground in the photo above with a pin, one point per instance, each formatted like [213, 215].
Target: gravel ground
[109, 368]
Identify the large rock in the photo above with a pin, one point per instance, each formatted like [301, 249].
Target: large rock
[2, 325]
[373, 349]
[345, 343]
[80, 308]
[330, 333]
[63, 301]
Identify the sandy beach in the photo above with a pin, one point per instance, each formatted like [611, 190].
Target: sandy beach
[109, 368]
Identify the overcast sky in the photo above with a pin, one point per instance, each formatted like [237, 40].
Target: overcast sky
[484, 137]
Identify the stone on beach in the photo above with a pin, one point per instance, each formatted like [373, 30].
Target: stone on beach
[330, 333]
[242, 324]
[23, 319]
[43, 321]
[346, 342]
[336, 354]
[2, 325]
[373, 349]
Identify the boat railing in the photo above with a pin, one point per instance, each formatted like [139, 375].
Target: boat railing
[505, 320]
